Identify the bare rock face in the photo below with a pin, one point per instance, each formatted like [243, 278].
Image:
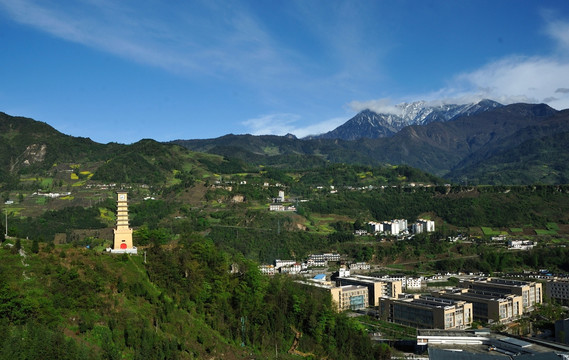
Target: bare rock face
[34, 153]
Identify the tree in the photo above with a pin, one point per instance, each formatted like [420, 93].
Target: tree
[35, 246]
[18, 244]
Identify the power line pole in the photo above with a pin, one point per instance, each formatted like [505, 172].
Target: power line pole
[6, 234]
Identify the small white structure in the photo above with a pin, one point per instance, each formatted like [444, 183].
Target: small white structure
[520, 245]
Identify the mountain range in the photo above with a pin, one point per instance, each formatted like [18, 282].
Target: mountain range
[369, 124]
[482, 143]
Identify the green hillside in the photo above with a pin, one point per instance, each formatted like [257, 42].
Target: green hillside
[185, 303]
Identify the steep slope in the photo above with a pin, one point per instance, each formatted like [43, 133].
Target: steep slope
[29, 146]
[438, 147]
[535, 154]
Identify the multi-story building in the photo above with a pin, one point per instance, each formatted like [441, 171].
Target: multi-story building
[487, 306]
[401, 225]
[390, 227]
[520, 244]
[427, 312]
[267, 269]
[428, 225]
[412, 283]
[352, 297]
[347, 297]
[558, 289]
[324, 257]
[374, 227]
[406, 282]
[360, 266]
[376, 287]
[280, 263]
[530, 291]
[291, 269]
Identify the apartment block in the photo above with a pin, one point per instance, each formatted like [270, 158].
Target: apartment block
[427, 312]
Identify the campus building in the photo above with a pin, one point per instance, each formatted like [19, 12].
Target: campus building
[377, 288]
[558, 290]
[530, 291]
[347, 297]
[487, 306]
[426, 312]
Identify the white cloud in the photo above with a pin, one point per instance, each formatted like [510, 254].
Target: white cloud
[518, 79]
[197, 39]
[380, 106]
[282, 124]
[532, 79]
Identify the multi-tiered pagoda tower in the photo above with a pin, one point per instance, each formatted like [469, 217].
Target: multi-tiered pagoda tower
[123, 234]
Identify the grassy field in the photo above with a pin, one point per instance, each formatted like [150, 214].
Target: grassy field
[490, 232]
[388, 330]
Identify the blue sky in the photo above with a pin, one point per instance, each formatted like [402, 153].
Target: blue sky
[126, 70]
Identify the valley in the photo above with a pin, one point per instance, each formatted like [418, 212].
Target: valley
[204, 224]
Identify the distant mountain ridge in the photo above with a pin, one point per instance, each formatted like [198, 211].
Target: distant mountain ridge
[372, 125]
[512, 144]
[457, 149]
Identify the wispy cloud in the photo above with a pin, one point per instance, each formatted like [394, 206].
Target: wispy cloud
[282, 124]
[229, 43]
[512, 79]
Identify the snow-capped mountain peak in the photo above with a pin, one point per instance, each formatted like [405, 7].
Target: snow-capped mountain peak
[369, 124]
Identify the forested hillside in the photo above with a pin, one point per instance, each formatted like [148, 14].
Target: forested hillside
[182, 303]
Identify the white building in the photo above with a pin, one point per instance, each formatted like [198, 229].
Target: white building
[409, 283]
[402, 224]
[316, 263]
[359, 266]
[280, 263]
[414, 283]
[391, 228]
[375, 227]
[418, 228]
[291, 269]
[326, 256]
[267, 269]
[520, 245]
[428, 225]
